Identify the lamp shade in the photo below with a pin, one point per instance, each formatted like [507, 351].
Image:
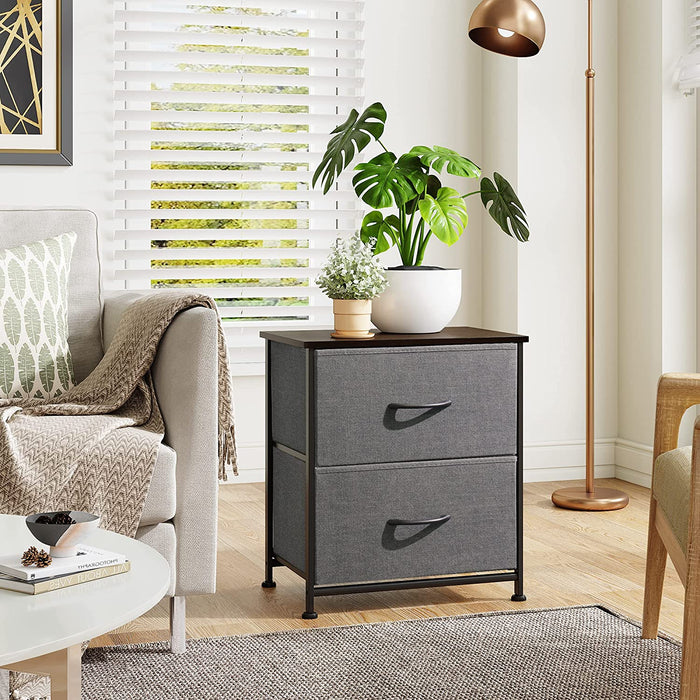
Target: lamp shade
[509, 27]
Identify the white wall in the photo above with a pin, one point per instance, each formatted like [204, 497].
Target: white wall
[524, 118]
[534, 120]
[657, 223]
[421, 66]
[88, 183]
[418, 63]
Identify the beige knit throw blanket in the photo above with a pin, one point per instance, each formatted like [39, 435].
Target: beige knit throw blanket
[94, 448]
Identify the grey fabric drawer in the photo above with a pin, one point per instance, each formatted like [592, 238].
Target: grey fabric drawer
[354, 390]
[288, 400]
[289, 513]
[354, 543]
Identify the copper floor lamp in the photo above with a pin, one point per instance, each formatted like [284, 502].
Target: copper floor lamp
[517, 28]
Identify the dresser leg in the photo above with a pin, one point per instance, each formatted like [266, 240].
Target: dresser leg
[309, 613]
[269, 556]
[269, 581]
[519, 595]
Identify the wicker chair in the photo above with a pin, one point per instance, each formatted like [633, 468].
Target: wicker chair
[674, 520]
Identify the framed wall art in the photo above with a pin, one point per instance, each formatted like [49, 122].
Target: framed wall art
[36, 82]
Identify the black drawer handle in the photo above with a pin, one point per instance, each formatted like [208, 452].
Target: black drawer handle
[420, 406]
[393, 522]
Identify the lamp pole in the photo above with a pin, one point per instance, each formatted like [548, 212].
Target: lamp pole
[517, 28]
[590, 260]
[590, 497]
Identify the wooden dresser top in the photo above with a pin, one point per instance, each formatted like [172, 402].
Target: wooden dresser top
[453, 335]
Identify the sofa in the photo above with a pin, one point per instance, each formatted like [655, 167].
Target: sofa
[180, 514]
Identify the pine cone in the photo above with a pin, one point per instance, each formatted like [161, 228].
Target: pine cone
[43, 560]
[30, 556]
[63, 518]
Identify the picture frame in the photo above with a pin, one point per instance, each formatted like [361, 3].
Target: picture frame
[36, 95]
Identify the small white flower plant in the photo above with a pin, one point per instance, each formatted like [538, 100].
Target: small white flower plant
[351, 271]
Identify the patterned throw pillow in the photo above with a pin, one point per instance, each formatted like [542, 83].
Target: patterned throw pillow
[35, 361]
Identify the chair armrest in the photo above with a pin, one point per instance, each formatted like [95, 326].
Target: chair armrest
[692, 553]
[676, 393]
[185, 377]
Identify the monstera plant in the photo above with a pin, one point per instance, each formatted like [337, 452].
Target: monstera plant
[409, 185]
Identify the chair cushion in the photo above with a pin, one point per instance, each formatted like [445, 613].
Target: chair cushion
[672, 490]
[20, 226]
[160, 500]
[35, 361]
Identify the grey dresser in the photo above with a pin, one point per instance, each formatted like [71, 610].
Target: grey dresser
[394, 462]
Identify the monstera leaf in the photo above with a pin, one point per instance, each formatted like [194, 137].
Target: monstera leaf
[432, 187]
[438, 157]
[384, 180]
[505, 208]
[350, 138]
[384, 231]
[445, 214]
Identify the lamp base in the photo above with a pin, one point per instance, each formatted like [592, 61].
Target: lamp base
[577, 498]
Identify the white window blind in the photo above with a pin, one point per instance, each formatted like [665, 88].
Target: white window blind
[689, 77]
[222, 113]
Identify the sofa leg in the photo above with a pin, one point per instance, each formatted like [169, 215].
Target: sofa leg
[178, 635]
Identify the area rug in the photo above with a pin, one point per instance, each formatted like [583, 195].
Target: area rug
[569, 653]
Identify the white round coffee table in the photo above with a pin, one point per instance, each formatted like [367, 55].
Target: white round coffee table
[42, 633]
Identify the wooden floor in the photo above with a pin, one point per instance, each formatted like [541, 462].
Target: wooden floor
[571, 558]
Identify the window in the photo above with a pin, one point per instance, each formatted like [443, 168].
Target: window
[222, 113]
[689, 77]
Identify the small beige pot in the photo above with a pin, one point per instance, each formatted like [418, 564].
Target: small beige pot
[352, 318]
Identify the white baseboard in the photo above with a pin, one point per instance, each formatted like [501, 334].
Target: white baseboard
[565, 461]
[622, 459]
[251, 463]
[602, 471]
[247, 476]
[562, 461]
[634, 462]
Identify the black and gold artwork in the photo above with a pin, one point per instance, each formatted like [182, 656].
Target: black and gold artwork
[20, 67]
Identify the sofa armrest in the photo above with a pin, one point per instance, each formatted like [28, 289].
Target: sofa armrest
[185, 376]
[113, 307]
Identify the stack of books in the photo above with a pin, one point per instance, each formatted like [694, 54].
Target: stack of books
[88, 565]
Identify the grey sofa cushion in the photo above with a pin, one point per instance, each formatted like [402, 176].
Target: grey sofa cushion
[161, 498]
[19, 226]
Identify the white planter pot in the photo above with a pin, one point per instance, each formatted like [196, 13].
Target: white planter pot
[418, 300]
[352, 318]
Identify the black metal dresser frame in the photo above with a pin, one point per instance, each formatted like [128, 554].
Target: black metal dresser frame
[312, 590]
